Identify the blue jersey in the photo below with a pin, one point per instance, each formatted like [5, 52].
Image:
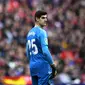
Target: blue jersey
[37, 52]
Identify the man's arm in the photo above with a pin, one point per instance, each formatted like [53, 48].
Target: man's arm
[27, 52]
[46, 52]
[44, 45]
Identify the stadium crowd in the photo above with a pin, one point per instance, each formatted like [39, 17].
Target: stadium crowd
[66, 32]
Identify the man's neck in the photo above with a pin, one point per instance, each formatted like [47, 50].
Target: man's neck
[37, 25]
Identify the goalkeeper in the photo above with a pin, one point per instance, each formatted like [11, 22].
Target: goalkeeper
[40, 60]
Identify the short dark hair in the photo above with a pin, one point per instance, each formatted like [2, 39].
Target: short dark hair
[39, 13]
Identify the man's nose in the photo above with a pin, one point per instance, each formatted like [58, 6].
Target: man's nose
[45, 19]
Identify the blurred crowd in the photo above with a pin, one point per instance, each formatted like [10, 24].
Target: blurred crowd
[66, 28]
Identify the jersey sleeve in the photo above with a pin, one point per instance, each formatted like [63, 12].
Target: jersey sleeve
[44, 45]
[27, 51]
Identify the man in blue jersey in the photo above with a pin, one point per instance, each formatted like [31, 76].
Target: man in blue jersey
[42, 67]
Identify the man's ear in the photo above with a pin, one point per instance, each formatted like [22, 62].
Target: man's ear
[37, 19]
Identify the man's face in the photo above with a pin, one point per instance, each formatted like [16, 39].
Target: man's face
[43, 20]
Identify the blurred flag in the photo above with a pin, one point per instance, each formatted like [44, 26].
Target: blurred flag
[21, 80]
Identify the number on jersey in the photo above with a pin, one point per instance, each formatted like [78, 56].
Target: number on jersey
[32, 45]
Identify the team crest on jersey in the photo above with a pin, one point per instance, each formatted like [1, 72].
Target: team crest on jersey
[46, 41]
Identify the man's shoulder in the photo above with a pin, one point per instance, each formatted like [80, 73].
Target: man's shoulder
[31, 33]
[39, 30]
[43, 31]
[36, 30]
